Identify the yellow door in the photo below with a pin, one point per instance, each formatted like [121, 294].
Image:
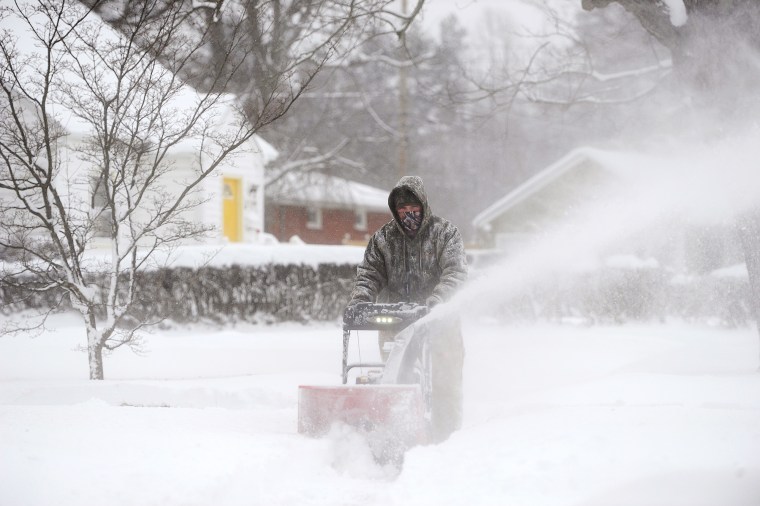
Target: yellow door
[232, 207]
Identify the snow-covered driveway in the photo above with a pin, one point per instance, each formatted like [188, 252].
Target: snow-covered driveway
[554, 415]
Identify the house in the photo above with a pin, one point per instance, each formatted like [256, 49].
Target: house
[232, 202]
[539, 202]
[586, 176]
[324, 209]
[229, 202]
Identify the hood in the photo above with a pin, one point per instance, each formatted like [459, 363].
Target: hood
[415, 186]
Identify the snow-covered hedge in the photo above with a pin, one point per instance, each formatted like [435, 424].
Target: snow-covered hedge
[300, 292]
[273, 292]
[248, 293]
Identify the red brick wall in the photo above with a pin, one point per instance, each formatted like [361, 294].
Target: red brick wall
[337, 225]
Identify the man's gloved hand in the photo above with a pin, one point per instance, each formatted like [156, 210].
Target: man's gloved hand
[353, 311]
[432, 301]
[348, 313]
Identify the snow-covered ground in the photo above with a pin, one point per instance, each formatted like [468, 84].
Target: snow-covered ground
[554, 415]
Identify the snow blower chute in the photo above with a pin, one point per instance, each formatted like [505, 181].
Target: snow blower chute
[391, 404]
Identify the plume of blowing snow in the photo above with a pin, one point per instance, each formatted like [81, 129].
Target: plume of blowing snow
[700, 184]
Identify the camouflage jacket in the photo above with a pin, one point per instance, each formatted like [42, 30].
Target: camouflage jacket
[426, 269]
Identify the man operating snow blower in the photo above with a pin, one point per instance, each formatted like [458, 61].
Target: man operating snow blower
[419, 258]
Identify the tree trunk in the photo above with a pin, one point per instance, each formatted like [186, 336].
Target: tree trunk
[94, 347]
[95, 357]
[749, 231]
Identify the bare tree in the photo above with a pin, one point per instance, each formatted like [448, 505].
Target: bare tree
[279, 40]
[374, 22]
[560, 63]
[88, 122]
[349, 122]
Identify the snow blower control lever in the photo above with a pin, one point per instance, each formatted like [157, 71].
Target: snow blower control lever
[370, 316]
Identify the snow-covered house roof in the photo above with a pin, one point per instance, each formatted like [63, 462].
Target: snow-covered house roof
[226, 119]
[316, 188]
[223, 116]
[555, 186]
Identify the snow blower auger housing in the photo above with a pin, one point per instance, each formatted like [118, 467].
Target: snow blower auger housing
[392, 413]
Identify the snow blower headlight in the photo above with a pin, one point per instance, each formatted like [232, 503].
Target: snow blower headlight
[386, 320]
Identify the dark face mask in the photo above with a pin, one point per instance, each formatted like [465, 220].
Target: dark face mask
[411, 221]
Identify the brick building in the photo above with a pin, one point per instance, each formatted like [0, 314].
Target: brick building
[323, 209]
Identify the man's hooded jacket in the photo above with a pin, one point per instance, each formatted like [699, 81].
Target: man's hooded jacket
[426, 269]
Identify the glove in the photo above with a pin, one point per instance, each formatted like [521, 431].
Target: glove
[431, 302]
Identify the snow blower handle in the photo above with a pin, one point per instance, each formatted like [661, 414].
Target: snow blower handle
[372, 316]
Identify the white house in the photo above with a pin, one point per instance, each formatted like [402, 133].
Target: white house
[233, 195]
[230, 201]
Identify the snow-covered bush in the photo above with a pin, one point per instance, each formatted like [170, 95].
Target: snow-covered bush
[272, 292]
[250, 293]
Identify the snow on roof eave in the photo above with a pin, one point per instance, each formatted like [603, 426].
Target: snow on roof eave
[268, 152]
[370, 198]
[535, 183]
[331, 204]
[346, 193]
[226, 105]
[369, 202]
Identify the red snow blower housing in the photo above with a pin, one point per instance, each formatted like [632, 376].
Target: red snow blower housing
[391, 404]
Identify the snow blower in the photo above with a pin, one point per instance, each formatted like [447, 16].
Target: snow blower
[390, 405]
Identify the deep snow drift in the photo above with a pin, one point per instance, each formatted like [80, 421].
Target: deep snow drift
[554, 415]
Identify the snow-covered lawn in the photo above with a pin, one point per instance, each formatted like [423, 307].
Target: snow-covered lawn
[554, 415]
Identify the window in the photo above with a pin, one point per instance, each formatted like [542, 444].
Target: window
[314, 218]
[360, 221]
